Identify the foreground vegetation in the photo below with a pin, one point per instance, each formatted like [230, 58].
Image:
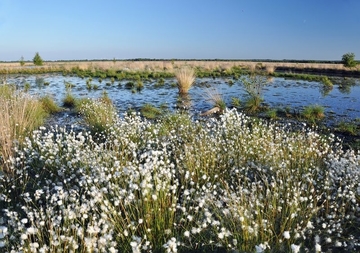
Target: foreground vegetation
[178, 185]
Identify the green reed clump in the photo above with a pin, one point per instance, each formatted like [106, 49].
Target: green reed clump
[139, 85]
[272, 114]
[49, 104]
[69, 100]
[348, 127]
[150, 111]
[236, 102]
[326, 81]
[313, 113]
[254, 85]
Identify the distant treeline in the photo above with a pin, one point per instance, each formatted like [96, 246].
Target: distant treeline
[239, 60]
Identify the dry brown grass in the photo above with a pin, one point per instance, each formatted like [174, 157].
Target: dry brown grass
[19, 115]
[185, 77]
[170, 66]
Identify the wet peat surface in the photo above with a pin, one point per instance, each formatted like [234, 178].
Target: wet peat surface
[341, 102]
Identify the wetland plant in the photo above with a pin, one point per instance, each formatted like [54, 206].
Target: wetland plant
[348, 127]
[213, 96]
[149, 111]
[49, 104]
[253, 104]
[99, 114]
[185, 77]
[272, 114]
[139, 85]
[130, 85]
[27, 87]
[20, 114]
[160, 82]
[326, 81]
[313, 113]
[236, 102]
[69, 100]
[254, 85]
[177, 185]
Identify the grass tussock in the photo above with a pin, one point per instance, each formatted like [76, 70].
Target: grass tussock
[49, 104]
[19, 115]
[179, 185]
[185, 77]
[313, 113]
[151, 112]
[99, 114]
[213, 96]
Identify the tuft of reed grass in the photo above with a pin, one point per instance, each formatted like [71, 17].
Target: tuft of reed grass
[348, 127]
[326, 81]
[49, 104]
[213, 96]
[150, 112]
[185, 77]
[313, 113]
[69, 100]
[19, 115]
[272, 114]
[236, 102]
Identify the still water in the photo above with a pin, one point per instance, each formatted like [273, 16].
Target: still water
[341, 103]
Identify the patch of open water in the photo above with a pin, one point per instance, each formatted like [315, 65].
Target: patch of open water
[341, 103]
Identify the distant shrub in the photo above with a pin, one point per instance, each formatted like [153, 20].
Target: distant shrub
[37, 60]
[348, 60]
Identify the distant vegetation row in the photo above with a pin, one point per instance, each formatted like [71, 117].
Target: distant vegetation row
[178, 59]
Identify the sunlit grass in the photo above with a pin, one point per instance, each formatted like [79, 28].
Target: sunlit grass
[185, 77]
[213, 96]
[20, 114]
[313, 113]
[181, 185]
[98, 114]
[49, 104]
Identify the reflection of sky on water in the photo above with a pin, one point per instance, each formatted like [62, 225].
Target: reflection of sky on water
[341, 102]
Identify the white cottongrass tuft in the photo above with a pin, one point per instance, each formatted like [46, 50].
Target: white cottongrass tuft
[286, 234]
[295, 248]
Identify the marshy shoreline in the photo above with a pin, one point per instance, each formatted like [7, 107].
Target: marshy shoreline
[303, 67]
[250, 179]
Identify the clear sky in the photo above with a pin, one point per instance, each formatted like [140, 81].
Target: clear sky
[181, 29]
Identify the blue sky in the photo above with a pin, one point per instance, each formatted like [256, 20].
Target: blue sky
[182, 29]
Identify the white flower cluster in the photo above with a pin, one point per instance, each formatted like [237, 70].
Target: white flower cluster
[178, 184]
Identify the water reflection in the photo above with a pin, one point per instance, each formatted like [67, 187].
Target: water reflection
[184, 102]
[342, 102]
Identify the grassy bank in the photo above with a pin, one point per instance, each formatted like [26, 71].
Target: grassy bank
[163, 68]
[179, 185]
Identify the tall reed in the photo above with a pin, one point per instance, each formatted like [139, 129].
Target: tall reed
[19, 115]
[185, 77]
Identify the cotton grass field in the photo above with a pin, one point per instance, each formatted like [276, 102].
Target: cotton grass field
[179, 184]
